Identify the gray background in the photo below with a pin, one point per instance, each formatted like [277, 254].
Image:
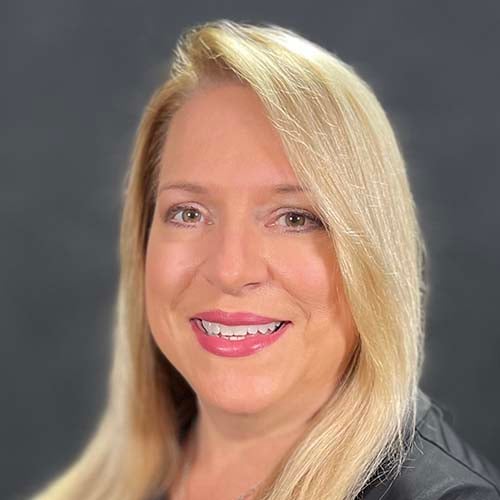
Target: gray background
[74, 82]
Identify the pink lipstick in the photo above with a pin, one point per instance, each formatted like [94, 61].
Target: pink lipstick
[235, 348]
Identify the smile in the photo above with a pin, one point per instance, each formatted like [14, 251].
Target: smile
[239, 332]
[237, 340]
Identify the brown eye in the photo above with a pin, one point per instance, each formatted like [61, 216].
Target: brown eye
[295, 219]
[298, 221]
[188, 215]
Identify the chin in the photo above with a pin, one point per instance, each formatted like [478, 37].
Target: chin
[248, 396]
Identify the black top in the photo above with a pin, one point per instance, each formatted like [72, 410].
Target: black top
[439, 466]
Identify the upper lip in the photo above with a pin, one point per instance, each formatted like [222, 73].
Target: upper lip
[234, 318]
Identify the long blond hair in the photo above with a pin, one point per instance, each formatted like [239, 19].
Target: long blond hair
[342, 148]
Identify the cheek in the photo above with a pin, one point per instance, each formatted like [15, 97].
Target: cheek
[308, 270]
[168, 271]
[168, 267]
[314, 281]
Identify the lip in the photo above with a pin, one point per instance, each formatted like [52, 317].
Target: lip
[234, 318]
[236, 348]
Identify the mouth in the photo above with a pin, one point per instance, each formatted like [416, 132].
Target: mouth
[237, 340]
[234, 318]
[239, 332]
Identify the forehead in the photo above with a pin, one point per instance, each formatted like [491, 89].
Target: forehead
[221, 136]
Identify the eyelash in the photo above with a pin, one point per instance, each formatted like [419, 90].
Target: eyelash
[173, 211]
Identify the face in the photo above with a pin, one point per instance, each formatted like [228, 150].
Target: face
[231, 242]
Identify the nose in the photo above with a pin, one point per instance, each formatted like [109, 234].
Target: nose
[235, 257]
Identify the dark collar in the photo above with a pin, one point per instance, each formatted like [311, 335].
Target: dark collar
[423, 406]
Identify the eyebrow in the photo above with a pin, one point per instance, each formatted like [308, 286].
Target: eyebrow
[198, 189]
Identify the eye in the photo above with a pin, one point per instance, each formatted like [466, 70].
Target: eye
[300, 219]
[187, 213]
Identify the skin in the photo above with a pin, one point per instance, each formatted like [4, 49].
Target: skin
[237, 250]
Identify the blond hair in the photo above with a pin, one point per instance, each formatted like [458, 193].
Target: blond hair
[342, 148]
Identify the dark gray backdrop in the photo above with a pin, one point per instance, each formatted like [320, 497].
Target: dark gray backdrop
[76, 78]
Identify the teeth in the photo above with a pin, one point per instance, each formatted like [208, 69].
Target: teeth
[263, 329]
[238, 330]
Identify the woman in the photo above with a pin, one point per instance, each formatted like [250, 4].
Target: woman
[270, 311]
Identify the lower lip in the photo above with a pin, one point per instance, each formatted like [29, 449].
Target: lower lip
[236, 348]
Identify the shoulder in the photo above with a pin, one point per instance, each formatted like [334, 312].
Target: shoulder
[440, 465]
